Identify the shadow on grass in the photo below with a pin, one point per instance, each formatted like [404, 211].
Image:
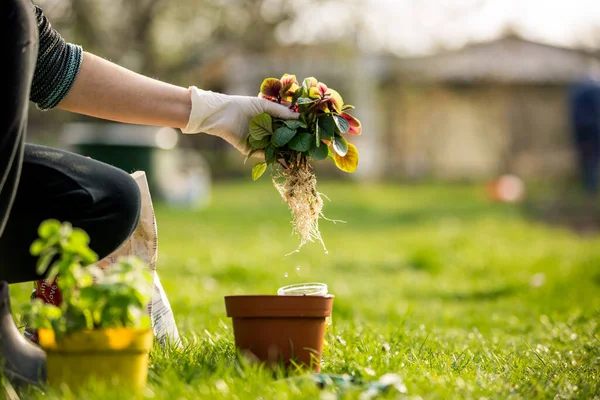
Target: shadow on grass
[368, 268]
[365, 216]
[570, 209]
[422, 260]
[476, 295]
[240, 275]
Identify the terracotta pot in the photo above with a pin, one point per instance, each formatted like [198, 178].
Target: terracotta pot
[281, 329]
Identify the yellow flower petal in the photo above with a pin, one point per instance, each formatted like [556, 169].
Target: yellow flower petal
[349, 162]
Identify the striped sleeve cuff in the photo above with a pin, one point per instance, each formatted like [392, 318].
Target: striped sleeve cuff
[57, 66]
[67, 79]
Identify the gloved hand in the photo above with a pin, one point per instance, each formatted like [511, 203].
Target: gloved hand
[228, 117]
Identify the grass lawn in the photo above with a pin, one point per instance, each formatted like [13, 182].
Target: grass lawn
[460, 297]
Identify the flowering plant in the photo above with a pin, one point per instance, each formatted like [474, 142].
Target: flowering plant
[289, 146]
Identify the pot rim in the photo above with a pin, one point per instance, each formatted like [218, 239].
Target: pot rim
[99, 341]
[276, 295]
[275, 306]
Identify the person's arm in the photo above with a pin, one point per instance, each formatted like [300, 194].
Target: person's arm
[105, 90]
[67, 78]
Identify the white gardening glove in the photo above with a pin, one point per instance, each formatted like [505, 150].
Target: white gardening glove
[228, 117]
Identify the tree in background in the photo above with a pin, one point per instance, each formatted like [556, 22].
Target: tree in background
[166, 39]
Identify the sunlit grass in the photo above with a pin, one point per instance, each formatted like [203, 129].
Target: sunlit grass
[462, 298]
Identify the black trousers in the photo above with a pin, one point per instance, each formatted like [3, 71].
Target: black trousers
[38, 183]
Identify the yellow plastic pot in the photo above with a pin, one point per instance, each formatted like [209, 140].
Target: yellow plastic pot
[116, 356]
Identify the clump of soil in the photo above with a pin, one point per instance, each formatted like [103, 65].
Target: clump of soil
[297, 185]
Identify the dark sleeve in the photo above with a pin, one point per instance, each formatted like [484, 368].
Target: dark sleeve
[58, 64]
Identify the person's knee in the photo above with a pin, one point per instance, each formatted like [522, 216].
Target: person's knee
[125, 198]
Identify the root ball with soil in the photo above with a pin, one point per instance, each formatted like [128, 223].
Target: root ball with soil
[289, 146]
[297, 185]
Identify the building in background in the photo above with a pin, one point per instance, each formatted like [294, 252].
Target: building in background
[486, 109]
[490, 108]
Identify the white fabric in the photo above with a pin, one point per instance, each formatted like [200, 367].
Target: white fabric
[228, 117]
[143, 243]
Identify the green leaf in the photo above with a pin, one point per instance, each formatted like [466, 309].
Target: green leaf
[88, 256]
[303, 118]
[253, 151]
[341, 123]
[258, 170]
[330, 154]
[282, 136]
[301, 142]
[49, 228]
[297, 95]
[317, 135]
[285, 88]
[327, 127]
[44, 261]
[306, 86]
[37, 247]
[80, 237]
[261, 126]
[271, 154]
[308, 83]
[340, 145]
[318, 153]
[295, 124]
[305, 100]
[36, 314]
[259, 143]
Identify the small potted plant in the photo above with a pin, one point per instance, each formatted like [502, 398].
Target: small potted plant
[101, 330]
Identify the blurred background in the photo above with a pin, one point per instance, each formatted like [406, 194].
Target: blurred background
[502, 93]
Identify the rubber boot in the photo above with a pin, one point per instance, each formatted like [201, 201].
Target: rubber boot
[22, 362]
[31, 334]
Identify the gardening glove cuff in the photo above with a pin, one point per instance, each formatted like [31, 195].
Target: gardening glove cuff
[228, 117]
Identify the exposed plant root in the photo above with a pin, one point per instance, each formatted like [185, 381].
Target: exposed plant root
[297, 185]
